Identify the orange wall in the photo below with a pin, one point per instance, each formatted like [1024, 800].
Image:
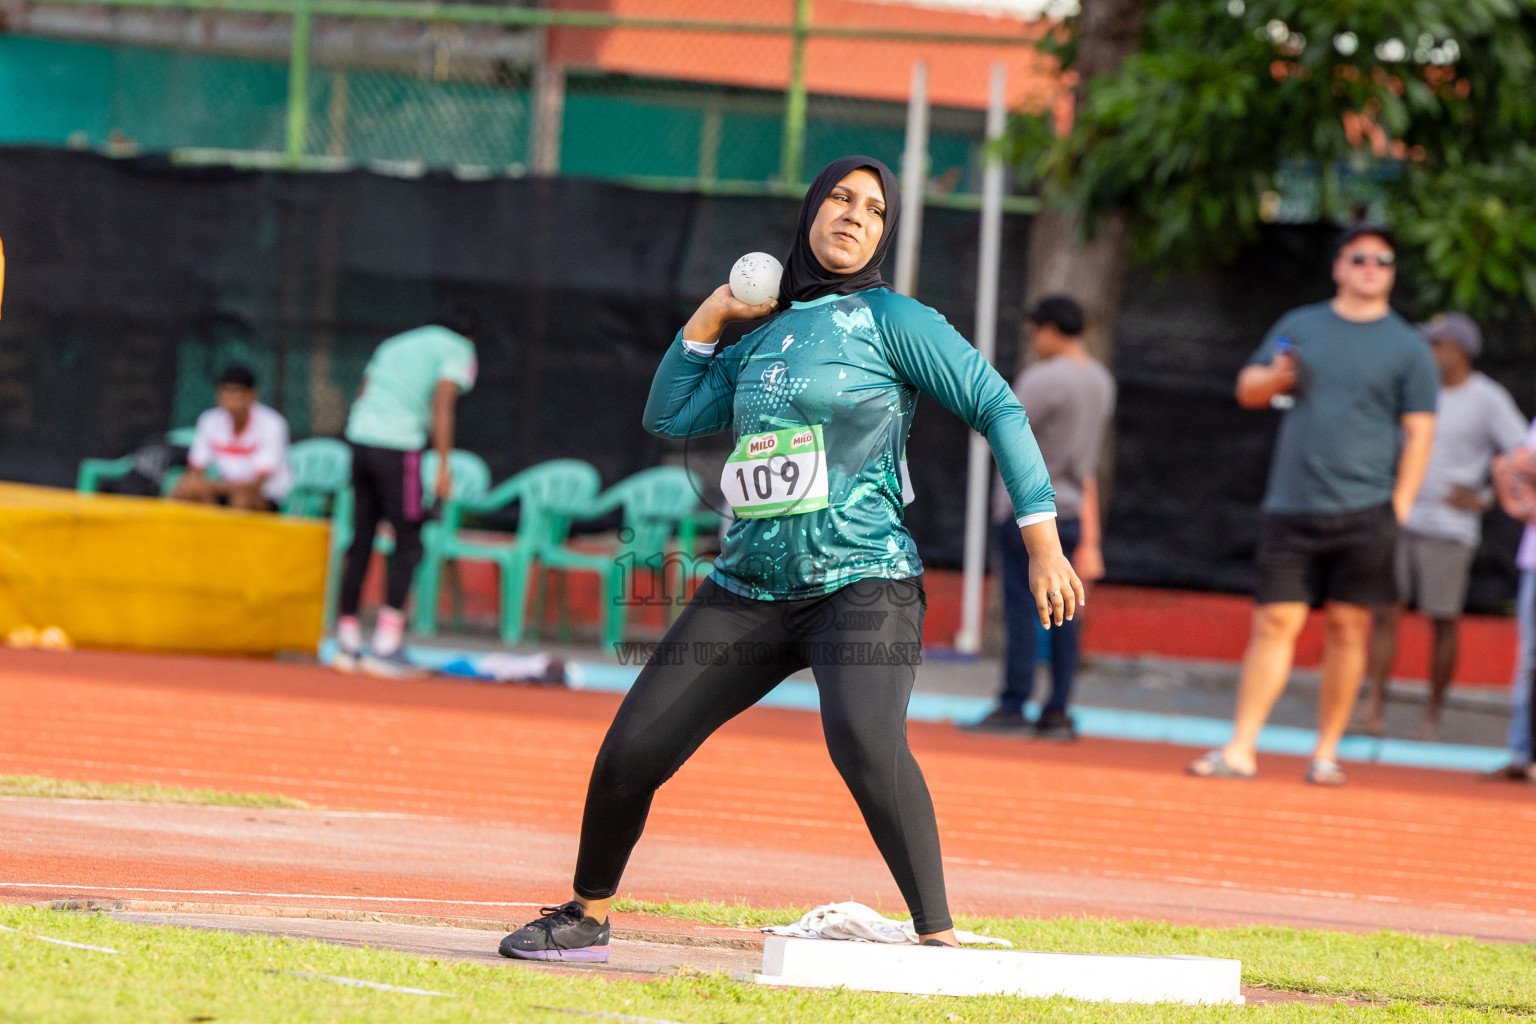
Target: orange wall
[958, 75]
[1120, 621]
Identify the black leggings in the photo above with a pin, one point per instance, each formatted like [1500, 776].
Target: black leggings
[723, 655]
[386, 484]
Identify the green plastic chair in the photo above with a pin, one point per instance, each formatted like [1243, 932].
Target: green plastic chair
[471, 480]
[655, 503]
[549, 496]
[321, 469]
[183, 438]
[471, 477]
[93, 472]
[693, 568]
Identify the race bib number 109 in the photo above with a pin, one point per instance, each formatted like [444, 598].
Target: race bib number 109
[776, 473]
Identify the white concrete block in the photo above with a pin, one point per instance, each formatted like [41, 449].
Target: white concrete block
[928, 970]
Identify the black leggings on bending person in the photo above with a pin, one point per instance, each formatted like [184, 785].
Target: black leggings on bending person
[386, 485]
[724, 654]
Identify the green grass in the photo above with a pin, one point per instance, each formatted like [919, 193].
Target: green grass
[1383, 966]
[172, 974]
[69, 789]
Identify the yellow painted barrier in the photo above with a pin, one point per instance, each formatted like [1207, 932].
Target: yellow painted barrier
[153, 575]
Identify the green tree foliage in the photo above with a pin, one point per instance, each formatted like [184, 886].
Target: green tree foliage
[1435, 99]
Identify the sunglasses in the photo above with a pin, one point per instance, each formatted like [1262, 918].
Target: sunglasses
[1383, 259]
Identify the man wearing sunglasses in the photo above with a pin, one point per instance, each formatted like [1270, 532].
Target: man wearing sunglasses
[1351, 453]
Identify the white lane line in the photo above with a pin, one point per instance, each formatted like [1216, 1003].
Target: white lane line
[612, 1016]
[275, 895]
[360, 983]
[63, 942]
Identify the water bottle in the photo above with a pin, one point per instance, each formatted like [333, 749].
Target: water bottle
[1282, 402]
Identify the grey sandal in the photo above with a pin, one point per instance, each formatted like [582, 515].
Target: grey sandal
[1213, 764]
[1323, 772]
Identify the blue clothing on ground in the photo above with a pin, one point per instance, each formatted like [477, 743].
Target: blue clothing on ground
[1022, 619]
[1338, 445]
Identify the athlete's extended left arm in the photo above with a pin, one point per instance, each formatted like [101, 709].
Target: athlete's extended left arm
[1413, 460]
[932, 356]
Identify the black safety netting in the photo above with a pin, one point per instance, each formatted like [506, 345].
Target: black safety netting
[132, 282]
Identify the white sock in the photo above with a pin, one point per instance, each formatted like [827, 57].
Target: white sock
[387, 631]
[349, 634]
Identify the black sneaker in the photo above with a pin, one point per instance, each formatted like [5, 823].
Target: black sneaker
[1000, 720]
[1055, 725]
[561, 933]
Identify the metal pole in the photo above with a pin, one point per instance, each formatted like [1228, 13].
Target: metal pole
[548, 116]
[979, 466]
[792, 150]
[298, 80]
[914, 176]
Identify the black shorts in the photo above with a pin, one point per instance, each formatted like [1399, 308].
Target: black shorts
[1343, 556]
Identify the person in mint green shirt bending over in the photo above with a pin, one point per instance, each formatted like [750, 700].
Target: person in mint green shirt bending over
[408, 396]
[818, 570]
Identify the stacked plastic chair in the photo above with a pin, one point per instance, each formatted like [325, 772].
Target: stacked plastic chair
[655, 503]
[549, 496]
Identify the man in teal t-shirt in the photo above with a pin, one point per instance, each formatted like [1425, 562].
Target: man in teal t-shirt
[409, 391]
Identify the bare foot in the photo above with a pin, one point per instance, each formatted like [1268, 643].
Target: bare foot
[1369, 723]
[1427, 732]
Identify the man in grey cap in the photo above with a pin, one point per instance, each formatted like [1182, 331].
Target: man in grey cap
[1477, 421]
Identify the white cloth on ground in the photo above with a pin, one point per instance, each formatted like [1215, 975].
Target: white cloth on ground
[540, 668]
[858, 923]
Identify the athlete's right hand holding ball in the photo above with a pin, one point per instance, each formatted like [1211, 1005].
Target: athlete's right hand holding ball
[719, 309]
[1058, 592]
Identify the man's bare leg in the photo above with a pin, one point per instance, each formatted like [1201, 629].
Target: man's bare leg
[246, 496]
[1442, 665]
[1343, 668]
[1384, 624]
[1266, 668]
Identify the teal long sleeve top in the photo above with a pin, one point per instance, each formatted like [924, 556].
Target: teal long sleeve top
[851, 367]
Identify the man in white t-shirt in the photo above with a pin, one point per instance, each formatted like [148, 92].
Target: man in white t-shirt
[239, 455]
[1477, 420]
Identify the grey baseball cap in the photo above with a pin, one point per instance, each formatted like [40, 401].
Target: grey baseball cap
[1456, 328]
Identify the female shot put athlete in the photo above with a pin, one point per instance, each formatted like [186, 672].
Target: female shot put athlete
[817, 569]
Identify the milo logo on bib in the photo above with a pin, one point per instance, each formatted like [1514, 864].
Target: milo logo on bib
[762, 444]
[778, 473]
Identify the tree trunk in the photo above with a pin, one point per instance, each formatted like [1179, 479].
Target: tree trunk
[1091, 270]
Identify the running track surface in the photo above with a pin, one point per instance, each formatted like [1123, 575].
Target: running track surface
[477, 791]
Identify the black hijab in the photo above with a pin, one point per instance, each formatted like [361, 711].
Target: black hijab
[804, 276]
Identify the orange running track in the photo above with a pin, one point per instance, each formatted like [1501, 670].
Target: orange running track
[482, 786]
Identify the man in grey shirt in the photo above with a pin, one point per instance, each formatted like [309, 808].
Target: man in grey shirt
[1069, 397]
[1476, 421]
[1347, 467]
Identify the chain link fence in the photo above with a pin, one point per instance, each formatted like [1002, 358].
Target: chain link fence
[675, 105]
